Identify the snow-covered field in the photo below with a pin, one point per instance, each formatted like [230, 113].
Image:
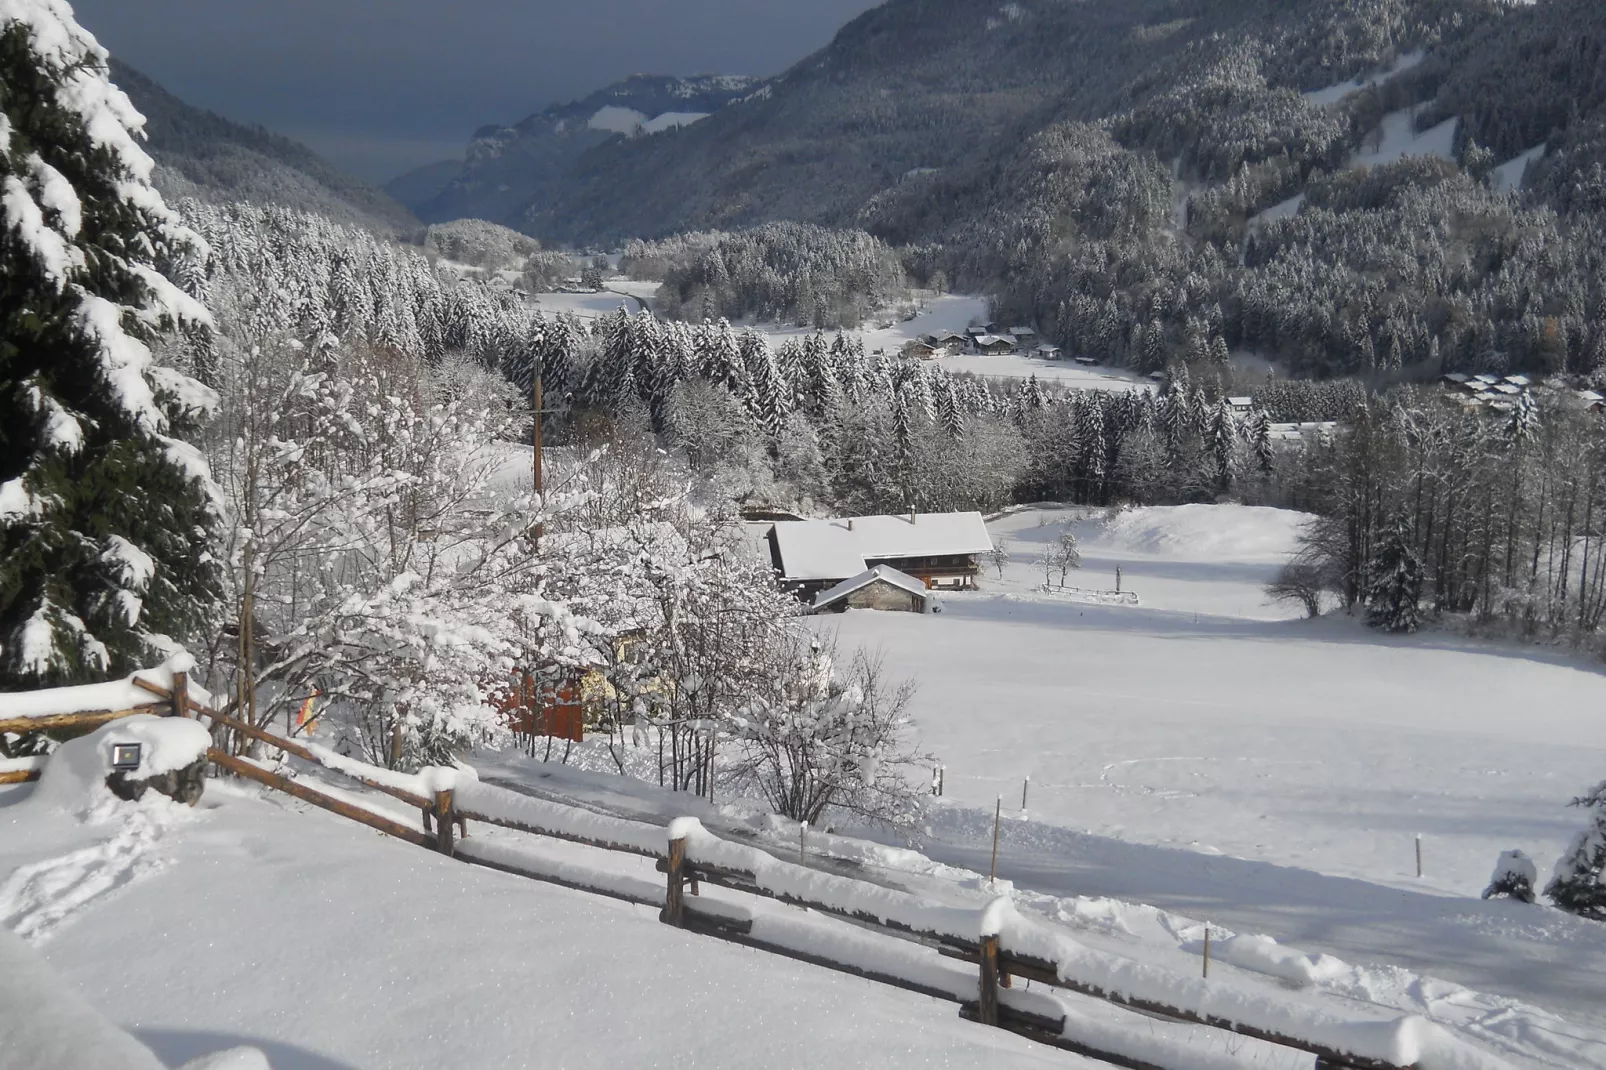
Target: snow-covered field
[1201, 751]
[1208, 721]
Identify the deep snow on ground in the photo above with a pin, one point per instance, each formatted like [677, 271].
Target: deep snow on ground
[328, 947]
[1206, 720]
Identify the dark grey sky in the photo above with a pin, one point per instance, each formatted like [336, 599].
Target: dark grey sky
[379, 86]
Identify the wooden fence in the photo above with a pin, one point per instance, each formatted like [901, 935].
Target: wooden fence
[444, 824]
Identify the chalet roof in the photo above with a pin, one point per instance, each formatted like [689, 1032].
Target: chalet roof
[1046, 348]
[881, 572]
[1507, 388]
[947, 336]
[1456, 377]
[989, 339]
[817, 550]
[1519, 380]
[1487, 378]
[929, 535]
[975, 330]
[1590, 396]
[1021, 332]
[1240, 402]
[837, 549]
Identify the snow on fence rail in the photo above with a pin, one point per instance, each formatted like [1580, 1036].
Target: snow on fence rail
[996, 939]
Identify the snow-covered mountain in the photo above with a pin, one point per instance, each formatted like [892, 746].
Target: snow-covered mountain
[507, 166]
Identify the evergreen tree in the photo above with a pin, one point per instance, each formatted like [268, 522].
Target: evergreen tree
[1396, 587]
[1577, 884]
[104, 511]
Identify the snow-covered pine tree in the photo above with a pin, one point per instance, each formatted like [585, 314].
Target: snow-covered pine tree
[1396, 587]
[104, 510]
[949, 414]
[1578, 884]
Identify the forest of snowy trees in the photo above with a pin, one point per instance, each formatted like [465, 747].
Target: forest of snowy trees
[780, 271]
[1501, 510]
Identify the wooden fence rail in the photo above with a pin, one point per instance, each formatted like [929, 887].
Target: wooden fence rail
[995, 963]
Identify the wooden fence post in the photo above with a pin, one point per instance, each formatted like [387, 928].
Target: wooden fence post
[674, 904]
[444, 826]
[181, 694]
[987, 1002]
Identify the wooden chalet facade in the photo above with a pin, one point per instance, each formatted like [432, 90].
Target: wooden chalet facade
[941, 550]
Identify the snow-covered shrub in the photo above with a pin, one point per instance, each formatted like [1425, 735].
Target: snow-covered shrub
[1513, 877]
[1577, 884]
[818, 738]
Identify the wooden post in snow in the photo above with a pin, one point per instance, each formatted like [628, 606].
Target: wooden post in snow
[181, 694]
[987, 1001]
[998, 813]
[1419, 855]
[444, 826]
[674, 904]
[1207, 951]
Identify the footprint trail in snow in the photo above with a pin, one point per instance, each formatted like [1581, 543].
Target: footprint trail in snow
[38, 898]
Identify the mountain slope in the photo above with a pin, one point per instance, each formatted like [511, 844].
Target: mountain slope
[204, 155]
[917, 86]
[508, 166]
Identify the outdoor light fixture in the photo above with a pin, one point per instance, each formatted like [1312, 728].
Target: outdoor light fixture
[125, 756]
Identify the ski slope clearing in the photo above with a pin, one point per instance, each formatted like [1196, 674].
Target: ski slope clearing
[1206, 721]
[1330, 95]
[1398, 138]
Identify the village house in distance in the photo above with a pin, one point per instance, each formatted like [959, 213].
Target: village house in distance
[888, 559]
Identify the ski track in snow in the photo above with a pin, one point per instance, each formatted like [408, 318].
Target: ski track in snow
[40, 897]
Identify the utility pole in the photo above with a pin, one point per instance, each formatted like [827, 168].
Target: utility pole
[536, 401]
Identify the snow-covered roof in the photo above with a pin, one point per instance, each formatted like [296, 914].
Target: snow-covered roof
[989, 339]
[1519, 380]
[1590, 396]
[1456, 377]
[1240, 403]
[1507, 388]
[837, 549]
[864, 579]
[1487, 378]
[1047, 348]
[1020, 332]
[817, 550]
[927, 535]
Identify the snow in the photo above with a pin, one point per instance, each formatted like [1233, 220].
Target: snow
[1398, 138]
[629, 121]
[74, 778]
[1330, 95]
[47, 1025]
[1280, 210]
[1508, 176]
[937, 313]
[1514, 865]
[1215, 755]
[837, 549]
[818, 550]
[135, 567]
[112, 695]
[437, 962]
[671, 119]
[868, 576]
[55, 257]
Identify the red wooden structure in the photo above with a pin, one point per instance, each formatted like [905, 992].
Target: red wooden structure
[532, 709]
